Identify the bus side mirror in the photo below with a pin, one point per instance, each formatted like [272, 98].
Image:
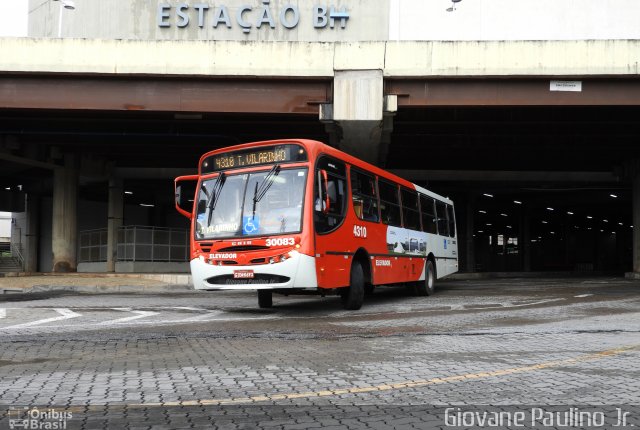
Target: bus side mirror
[324, 192]
[185, 193]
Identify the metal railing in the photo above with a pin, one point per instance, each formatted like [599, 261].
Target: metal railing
[136, 243]
[16, 252]
[93, 246]
[142, 243]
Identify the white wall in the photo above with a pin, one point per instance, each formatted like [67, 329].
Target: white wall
[138, 19]
[13, 18]
[515, 20]
[5, 225]
[369, 21]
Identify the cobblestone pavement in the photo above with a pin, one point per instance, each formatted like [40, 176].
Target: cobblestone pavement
[215, 360]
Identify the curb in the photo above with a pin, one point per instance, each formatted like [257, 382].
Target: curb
[94, 289]
[470, 276]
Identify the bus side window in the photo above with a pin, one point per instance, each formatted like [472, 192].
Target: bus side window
[452, 221]
[428, 214]
[363, 193]
[336, 191]
[389, 204]
[443, 223]
[410, 213]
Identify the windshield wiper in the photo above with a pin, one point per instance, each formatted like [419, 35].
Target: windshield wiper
[215, 193]
[261, 190]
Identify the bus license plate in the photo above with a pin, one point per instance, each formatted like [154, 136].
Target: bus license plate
[243, 274]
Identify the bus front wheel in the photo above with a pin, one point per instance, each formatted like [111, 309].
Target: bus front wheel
[353, 296]
[427, 287]
[265, 299]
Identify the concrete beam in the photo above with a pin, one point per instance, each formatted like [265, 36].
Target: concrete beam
[152, 172]
[26, 161]
[504, 175]
[511, 92]
[300, 97]
[512, 58]
[320, 59]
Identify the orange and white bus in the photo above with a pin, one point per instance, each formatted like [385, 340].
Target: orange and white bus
[293, 216]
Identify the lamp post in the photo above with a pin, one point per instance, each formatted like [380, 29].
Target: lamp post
[64, 4]
[453, 5]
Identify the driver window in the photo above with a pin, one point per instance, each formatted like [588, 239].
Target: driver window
[329, 218]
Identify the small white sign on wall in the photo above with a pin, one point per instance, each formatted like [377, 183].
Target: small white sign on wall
[575, 86]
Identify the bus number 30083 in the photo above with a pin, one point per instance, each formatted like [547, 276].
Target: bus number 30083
[280, 241]
[359, 231]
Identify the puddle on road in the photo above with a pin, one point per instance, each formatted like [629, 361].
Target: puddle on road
[22, 362]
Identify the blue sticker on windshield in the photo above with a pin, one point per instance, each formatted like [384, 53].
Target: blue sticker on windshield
[250, 225]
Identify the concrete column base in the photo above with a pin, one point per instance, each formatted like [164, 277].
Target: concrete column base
[632, 275]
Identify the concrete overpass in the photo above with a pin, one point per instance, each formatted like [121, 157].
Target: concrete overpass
[463, 116]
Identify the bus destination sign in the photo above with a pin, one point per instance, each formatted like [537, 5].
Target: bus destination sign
[254, 157]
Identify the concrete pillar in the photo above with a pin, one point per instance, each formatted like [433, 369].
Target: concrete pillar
[525, 239]
[360, 119]
[636, 221]
[114, 221]
[470, 249]
[31, 237]
[65, 217]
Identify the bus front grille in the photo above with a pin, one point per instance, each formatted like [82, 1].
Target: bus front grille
[259, 278]
[243, 248]
[206, 247]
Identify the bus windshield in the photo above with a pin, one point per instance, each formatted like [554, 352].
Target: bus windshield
[251, 204]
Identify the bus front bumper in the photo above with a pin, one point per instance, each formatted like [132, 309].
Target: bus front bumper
[299, 271]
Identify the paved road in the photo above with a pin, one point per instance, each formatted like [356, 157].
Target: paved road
[186, 360]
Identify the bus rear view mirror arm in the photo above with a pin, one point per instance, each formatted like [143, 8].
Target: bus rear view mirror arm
[185, 194]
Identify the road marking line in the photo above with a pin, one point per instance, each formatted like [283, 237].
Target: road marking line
[3, 313]
[199, 318]
[583, 295]
[65, 315]
[399, 385]
[140, 314]
[444, 307]
[202, 317]
[534, 303]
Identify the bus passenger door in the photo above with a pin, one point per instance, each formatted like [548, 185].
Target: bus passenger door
[333, 262]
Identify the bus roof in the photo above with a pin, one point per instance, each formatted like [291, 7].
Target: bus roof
[315, 148]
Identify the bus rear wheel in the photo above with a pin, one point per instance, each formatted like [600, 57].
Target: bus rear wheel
[265, 298]
[353, 296]
[427, 287]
